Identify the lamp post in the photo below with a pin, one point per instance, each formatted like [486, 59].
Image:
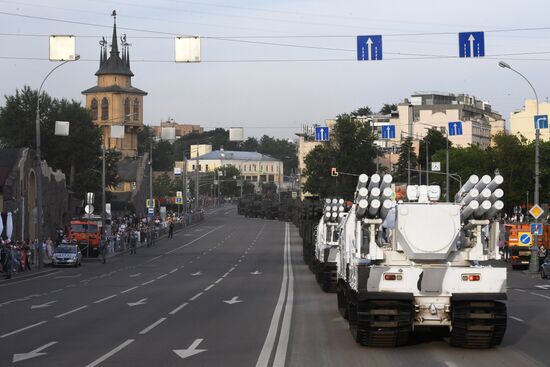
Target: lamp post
[39, 164]
[534, 262]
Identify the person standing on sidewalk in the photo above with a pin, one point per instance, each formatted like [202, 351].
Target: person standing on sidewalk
[103, 247]
[8, 260]
[133, 241]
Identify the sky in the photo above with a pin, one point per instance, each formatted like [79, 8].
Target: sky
[272, 66]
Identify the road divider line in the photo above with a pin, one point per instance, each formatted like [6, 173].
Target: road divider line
[284, 336]
[149, 282]
[540, 295]
[22, 329]
[209, 287]
[196, 296]
[71, 311]
[173, 270]
[219, 280]
[153, 259]
[516, 318]
[105, 299]
[152, 326]
[177, 309]
[162, 276]
[129, 289]
[521, 290]
[111, 353]
[193, 241]
[269, 344]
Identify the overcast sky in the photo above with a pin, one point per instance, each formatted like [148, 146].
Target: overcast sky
[231, 87]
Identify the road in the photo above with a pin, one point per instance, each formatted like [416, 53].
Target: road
[231, 291]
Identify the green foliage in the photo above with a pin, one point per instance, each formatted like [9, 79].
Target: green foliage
[163, 186]
[146, 137]
[406, 152]
[388, 108]
[281, 149]
[77, 155]
[351, 150]
[163, 156]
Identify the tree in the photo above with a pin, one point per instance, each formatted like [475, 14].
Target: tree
[281, 149]
[163, 186]
[146, 137]
[406, 152]
[250, 145]
[436, 142]
[350, 150]
[228, 180]
[387, 109]
[77, 155]
[363, 111]
[163, 156]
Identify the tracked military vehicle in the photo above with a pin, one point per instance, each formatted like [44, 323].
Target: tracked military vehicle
[310, 213]
[421, 262]
[326, 243]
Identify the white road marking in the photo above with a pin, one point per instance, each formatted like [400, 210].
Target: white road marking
[193, 241]
[520, 290]
[149, 282]
[27, 280]
[219, 280]
[105, 299]
[70, 285]
[543, 286]
[516, 318]
[177, 309]
[226, 274]
[269, 344]
[138, 303]
[22, 329]
[173, 270]
[56, 290]
[233, 300]
[47, 304]
[71, 311]
[129, 289]
[191, 351]
[162, 276]
[32, 354]
[152, 326]
[135, 275]
[111, 353]
[540, 295]
[209, 287]
[196, 296]
[67, 276]
[153, 259]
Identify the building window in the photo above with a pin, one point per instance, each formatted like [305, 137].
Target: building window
[254, 178]
[104, 109]
[93, 109]
[206, 168]
[126, 109]
[136, 109]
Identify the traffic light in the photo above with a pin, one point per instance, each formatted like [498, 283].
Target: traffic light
[333, 172]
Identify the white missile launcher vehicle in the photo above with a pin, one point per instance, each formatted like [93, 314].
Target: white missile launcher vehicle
[326, 243]
[421, 262]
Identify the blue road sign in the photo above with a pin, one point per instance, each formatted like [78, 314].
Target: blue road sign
[541, 121]
[525, 239]
[455, 128]
[471, 44]
[388, 132]
[536, 229]
[321, 133]
[369, 48]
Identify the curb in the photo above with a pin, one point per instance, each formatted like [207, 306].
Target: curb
[29, 276]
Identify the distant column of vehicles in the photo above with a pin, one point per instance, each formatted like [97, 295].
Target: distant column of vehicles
[518, 242]
[400, 259]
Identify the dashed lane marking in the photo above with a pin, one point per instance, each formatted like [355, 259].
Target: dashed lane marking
[71, 311]
[516, 318]
[196, 296]
[22, 329]
[152, 326]
[540, 295]
[177, 309]
[129, 289]
[111, 353]
[173, 270]
[209, 287]
[162, 276]
[149, 282]
[105, 299]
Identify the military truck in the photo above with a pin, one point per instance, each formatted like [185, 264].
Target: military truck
[326, 243]
[421, 262]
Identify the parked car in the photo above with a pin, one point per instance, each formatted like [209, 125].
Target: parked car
[545, 269]
[69, 255]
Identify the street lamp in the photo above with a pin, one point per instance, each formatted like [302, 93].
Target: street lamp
[534, 262]
[39, 163]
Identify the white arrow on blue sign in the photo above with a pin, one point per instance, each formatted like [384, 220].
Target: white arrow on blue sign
[525, 239]
[369, 47]
[455, 128]
[541, 121]
[321, 133]
[471, 44]
[388, 132]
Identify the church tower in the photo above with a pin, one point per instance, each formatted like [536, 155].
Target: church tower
[114, 102]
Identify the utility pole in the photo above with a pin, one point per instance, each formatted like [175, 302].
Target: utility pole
[197, 179]
[184, 178]
[427, 165]
[151, 176]
[447, 182]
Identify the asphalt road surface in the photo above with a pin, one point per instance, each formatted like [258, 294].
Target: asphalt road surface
[231, 291]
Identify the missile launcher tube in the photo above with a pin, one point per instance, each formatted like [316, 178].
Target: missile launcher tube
[496, 182]
[482, 209]
[374, 181]
[468, 210]
[495, 209]
[468, 185]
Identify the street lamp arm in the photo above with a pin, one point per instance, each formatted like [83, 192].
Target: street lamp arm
[528, 82]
